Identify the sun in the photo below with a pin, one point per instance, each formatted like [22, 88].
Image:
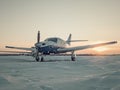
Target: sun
[100, 49]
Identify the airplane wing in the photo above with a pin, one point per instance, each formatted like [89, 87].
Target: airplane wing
[20, 48]
[63, 50]
[13, 52]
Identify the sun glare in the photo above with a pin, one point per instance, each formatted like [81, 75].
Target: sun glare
[100, 49]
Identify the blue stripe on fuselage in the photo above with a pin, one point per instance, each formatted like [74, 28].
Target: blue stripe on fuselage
[48, 49]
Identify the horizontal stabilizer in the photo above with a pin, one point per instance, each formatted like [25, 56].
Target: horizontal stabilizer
[78, 40]
[68, 41]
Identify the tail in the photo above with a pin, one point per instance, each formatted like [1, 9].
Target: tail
[68, 41]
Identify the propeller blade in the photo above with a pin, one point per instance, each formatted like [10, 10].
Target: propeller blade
[36, 53]
[38, 37]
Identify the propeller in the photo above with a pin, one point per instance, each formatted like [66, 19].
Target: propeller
[38, 37]
[36, 46]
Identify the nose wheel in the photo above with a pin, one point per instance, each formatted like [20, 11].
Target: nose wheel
[37, 58]
[42, 59]
[73, 58]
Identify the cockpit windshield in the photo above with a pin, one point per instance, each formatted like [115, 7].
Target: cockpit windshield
[52, 39]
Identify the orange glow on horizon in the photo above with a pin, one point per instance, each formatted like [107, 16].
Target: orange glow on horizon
[101, 49]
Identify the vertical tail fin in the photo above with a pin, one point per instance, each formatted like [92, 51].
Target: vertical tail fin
[69, 39]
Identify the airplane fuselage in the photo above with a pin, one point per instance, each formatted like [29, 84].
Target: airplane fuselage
[50, 45]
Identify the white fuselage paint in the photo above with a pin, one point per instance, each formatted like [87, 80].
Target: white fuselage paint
[50, 45]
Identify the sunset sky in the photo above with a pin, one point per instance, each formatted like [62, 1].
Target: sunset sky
[94, 20]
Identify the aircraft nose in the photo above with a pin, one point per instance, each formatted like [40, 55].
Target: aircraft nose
[42, 44]
[37, 44]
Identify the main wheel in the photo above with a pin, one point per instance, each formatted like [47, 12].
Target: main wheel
[73, 58]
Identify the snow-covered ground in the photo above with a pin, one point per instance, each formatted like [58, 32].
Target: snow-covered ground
[59, 73]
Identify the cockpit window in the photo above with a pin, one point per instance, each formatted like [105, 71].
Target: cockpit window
[52, 39]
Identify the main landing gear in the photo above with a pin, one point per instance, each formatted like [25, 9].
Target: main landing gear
[73, 56]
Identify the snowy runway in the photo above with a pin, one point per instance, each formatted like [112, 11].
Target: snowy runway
[59, 73]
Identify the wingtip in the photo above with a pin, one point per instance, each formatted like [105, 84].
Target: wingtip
[115, 41]
[6, 46]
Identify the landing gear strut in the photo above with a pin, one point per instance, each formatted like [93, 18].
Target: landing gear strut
[36, 55]
[37, 58]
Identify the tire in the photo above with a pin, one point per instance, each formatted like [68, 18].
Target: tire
[42, 59]
[73, 58]
[37, 59]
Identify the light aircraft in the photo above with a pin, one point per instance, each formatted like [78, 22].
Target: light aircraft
[55, 45]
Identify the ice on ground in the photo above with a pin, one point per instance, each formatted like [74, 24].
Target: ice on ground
[59, 73]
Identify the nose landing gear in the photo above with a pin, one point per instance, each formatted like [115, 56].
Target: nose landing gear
[39, 59]
[42, 59]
